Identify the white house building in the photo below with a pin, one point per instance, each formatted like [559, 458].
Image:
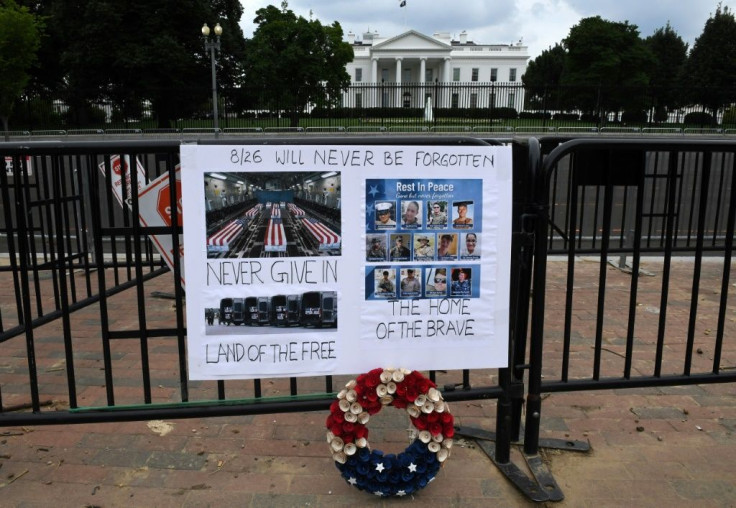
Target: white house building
[412, 66]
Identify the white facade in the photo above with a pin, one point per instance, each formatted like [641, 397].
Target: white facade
[416, 60]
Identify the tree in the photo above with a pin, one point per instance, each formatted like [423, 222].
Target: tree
[711, 65]
[611, 57]
[543, 78]
[291, 62]
[130, 51]
[20, 38]
[665, 75]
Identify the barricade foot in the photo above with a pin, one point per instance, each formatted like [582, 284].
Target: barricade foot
[543, 486]
[528, 486]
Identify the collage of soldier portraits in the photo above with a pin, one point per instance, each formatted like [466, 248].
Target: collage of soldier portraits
[425, 247]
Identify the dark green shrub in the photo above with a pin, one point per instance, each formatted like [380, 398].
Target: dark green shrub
[35, 114]
[85, 116]
[635, 116]
[507, 113]
[535, 115]
[699, 118]
[589, 117]
[661, 114]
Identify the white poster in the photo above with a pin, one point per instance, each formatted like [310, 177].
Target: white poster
[312, 260]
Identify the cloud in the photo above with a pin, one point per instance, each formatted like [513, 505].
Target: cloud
[541, 23]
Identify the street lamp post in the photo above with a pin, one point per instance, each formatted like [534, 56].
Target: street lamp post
[211, 46]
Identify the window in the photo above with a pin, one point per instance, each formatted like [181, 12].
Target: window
[474, 74]
[473, 100]
[454, 100]
[512, 99]
[407, 76]
[358, 100]
[456, 74]
[358, 75]
[384, 74]
[512, 75]
[494, 74]
[428, 75]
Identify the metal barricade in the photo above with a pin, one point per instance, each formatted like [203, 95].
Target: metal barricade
[83, 283]
[668, 204]
[80, 260]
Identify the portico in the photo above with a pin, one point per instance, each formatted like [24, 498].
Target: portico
[383, 65]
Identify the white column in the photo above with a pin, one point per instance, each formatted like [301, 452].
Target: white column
[398, 82]
[448, 70]
[422, 69]
[375, 78]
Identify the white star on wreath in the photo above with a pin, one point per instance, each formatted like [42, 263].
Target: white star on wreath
[352, 481]
[379, 467]
[413, 467]
[401, 493]
[378, 493]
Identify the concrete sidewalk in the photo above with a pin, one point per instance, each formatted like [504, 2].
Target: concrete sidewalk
[649, 447]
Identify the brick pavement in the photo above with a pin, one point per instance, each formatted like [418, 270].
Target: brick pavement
[650, 447]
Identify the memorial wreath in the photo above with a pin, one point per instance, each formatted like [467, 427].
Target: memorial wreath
[372, 470]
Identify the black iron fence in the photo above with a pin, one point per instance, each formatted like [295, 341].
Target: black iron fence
[488, 107]
[667, 321]
[79, 258]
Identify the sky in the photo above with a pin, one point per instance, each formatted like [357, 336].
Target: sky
[540, 24]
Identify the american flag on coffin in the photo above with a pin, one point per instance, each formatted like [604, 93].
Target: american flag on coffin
[296, 211]
[275, 240]
[326, 238]
[275, 211]
[220, 241]
[254, 211]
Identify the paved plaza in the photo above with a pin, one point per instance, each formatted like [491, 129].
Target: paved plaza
[649, 447]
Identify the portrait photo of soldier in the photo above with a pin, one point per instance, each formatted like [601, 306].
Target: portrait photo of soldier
[447, 246]
[463, 216]
[411, 215]
[411, 284]
[423, 247]
[470, 243]
[375, 248]
[385, 215]
[461, 284]
[436, 282]
[385, 285]
[399, 250]
[436, 214]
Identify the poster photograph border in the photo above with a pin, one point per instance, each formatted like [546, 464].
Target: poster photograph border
[390, 474]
